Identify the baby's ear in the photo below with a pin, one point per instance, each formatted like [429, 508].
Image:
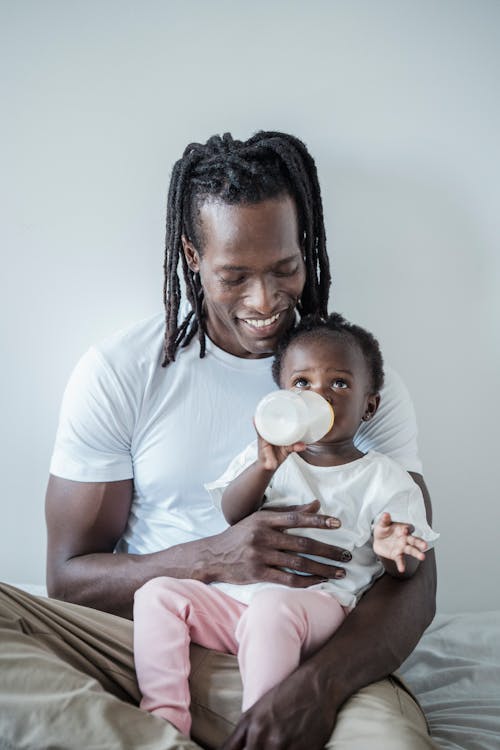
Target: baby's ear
[372, 404]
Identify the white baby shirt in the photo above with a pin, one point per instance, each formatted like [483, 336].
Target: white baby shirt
[356, 493]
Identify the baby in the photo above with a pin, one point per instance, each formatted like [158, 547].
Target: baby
[270, 626]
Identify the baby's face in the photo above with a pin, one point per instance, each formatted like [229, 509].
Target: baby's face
[336, 369]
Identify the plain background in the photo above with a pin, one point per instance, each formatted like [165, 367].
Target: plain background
[399, 104]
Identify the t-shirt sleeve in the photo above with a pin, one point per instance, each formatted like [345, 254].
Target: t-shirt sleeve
[236, 467]
[96, 423]
[393, 429]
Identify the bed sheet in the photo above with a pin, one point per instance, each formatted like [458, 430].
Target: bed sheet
[455, 673]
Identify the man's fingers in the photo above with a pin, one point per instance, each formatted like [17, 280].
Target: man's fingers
[302, 516]
[304, 545]
[296, 581]
[300, 564]
[311, 507]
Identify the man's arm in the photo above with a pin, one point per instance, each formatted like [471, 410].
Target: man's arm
[85, 520]
[386, 625]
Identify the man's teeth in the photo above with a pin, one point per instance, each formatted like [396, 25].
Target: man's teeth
[261, 323]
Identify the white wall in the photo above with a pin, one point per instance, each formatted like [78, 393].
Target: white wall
[398, 102]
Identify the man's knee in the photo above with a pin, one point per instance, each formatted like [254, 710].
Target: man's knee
[382, 716]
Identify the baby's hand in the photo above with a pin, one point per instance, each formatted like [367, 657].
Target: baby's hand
[394, 540]
[272, 456]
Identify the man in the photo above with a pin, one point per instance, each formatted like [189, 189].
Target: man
[125, 500]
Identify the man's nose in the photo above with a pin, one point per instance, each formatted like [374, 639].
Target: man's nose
[262, 295]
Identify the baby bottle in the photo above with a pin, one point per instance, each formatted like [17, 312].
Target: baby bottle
[287, 417]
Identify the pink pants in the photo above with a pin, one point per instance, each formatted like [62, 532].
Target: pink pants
[270, 636]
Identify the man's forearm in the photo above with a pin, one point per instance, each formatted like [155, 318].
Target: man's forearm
[377, 636]
[381, 631]
[255, 549]
[108, 581]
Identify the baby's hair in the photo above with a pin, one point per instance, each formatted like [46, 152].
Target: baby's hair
[315, 326]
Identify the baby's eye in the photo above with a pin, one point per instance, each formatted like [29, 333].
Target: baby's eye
[300, 383]
[339, 383]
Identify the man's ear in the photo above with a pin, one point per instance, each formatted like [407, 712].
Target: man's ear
[372, 403]
[191, 254]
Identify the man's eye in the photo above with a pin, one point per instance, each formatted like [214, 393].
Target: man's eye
[291, 272]
[339, 383]
[232, 281]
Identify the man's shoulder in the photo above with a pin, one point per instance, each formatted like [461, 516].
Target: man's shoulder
[136, 334]
[122, 362]
[394, 386]
[134, 345]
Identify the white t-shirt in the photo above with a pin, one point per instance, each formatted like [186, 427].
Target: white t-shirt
[174, 429]
[356, 493]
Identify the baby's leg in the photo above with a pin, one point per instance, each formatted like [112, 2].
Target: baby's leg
[168, 615]
[279, 628]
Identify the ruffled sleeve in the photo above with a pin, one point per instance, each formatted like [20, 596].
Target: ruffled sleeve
[235, 468]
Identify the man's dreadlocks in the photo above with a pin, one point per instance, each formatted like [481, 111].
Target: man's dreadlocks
[267, 165]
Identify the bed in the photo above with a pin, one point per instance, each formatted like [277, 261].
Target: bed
[455, 673]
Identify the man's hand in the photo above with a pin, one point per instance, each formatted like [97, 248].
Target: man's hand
[257, 549]
[288, 717]
[393, 541]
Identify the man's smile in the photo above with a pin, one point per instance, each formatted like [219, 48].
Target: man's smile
[261, 322]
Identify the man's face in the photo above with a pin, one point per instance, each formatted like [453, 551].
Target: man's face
[252, 273]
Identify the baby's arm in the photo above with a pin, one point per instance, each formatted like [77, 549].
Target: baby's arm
[399, 551]
[246, 492]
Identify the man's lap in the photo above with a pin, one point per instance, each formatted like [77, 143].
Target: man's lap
[382, 716]
[54, 655]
